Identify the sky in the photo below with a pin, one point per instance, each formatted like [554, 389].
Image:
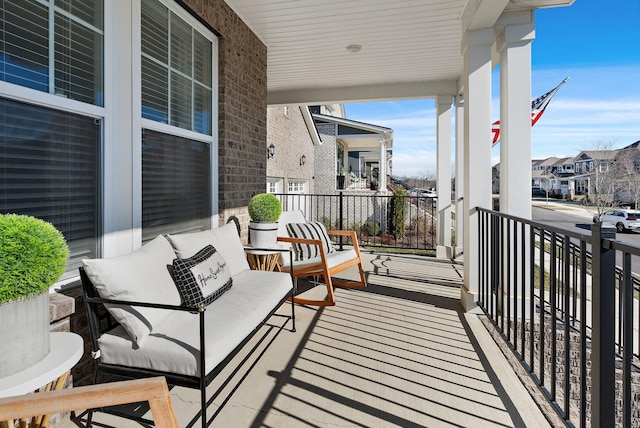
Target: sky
[593, 42]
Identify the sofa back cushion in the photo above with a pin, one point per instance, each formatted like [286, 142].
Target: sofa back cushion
[225, 239]
[141, 276]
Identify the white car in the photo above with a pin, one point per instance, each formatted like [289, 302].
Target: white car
[624, 220]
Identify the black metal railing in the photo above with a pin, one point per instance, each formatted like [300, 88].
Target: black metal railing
[569, 314]
[369, 216]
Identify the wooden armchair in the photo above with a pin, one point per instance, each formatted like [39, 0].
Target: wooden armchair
[152, 390]
[326, 264]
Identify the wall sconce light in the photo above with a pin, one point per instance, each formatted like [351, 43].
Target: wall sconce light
[271, 150]
[303, 160]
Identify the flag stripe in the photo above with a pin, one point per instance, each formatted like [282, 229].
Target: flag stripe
[538, 107]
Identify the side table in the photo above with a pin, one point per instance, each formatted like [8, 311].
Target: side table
[66, 349]
[265, 258]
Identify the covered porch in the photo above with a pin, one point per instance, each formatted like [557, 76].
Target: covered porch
[401, 352]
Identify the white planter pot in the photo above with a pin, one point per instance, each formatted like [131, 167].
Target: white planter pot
[24, 334]
[263, 234]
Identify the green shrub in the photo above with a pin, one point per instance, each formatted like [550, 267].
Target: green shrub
[397, 217]
[372, 228]
[265, 207]
[34, 255]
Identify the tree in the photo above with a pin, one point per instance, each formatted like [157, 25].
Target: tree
[628, 177]
[398, 213]
[602, 177]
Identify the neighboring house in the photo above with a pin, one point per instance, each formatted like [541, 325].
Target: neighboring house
[590, 167]
[317, 150]
[293, 136]
[360, 152]
[620, 169]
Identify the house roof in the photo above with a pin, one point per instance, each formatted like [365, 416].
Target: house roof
[360, 135]
[354, 50]
[549, 161]
[596, 154]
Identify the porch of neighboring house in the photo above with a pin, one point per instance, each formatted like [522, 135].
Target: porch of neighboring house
[401, 352]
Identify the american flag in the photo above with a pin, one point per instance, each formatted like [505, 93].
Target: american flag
[537, 108]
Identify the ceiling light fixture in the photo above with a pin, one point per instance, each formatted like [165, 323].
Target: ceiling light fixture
[354, 48]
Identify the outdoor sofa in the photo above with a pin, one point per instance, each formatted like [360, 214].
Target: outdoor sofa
[161, 331]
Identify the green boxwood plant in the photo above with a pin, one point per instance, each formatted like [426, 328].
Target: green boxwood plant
[33, 256]
[265, 207]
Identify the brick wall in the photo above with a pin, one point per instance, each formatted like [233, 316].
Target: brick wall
[326, 155]
[242, 104]
[287, 131]
[574, 371]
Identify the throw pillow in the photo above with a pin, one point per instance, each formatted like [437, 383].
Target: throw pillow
[203, 278]
[311, 230]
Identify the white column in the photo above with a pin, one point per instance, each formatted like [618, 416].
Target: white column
[382, 166]
[459, 175]
[443, 176]
[514, 46]
[477, 152]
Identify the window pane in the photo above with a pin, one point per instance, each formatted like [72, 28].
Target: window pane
[25, 32]
[176, 185]
[155, 99]
[202, 109]
[78, 61]
[180, 101]
[49, 166]
[202, 59]
[172, 46]
[90, 11]
[24, 46]
[155, 19]
[181, 51]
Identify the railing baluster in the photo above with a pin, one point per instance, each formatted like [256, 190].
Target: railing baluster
[523, 292]
[626, 290]
[542, 309]
[583, 334]
[567, 331]
[532, 300]
[553, 303]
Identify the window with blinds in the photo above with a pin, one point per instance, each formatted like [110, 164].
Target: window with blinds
[176, 185]
[176, 70]
[62, 56]
[49, 169]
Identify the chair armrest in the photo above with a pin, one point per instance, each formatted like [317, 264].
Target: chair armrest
[348, 233]
[153, 390]
[300, 240]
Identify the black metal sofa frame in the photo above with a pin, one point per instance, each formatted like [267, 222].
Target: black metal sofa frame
[101, 322]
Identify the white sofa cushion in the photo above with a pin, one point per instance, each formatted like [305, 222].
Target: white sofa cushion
[203, 278]
[141, 276]
[174, 345]
[224, 238]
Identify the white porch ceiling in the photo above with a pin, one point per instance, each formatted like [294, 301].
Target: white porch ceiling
[410, 48]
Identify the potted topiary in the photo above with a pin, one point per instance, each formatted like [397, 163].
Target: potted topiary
[264, 211]
[33, 256]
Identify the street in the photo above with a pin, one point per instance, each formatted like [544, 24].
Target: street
[581, 223]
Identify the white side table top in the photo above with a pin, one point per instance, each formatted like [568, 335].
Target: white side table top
[65, 351]
[278, 248]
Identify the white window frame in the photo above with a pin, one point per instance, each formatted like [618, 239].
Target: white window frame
[50, 100]
[130, 14]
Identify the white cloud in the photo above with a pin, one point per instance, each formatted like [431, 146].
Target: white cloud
[596, 105]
